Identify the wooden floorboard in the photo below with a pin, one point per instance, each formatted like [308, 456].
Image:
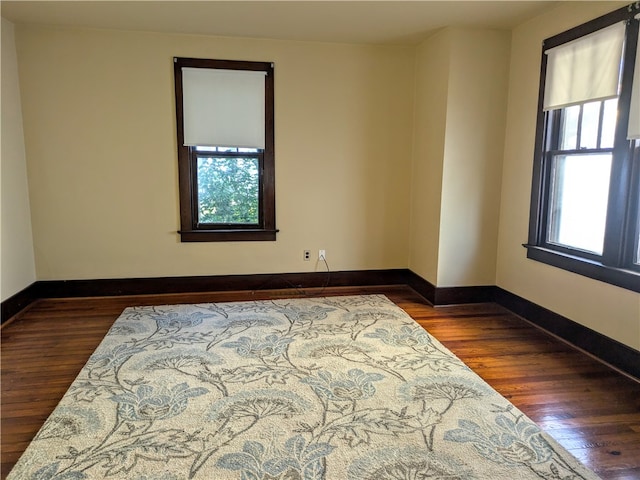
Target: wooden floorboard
[590, 409]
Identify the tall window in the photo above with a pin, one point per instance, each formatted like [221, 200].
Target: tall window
[224, 113]
[585, 206]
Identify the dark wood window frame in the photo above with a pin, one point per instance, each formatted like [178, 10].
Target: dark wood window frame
[190, 229]
[615, 266]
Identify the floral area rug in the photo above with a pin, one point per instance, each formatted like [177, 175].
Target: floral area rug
[338, 388]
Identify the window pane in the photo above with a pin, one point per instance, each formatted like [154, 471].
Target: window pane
[590, 122]
[569, 133]
[228, 190]
[609, 123]
[579, 197]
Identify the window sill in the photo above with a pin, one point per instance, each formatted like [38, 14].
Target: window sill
[256, 235]
[619, 277]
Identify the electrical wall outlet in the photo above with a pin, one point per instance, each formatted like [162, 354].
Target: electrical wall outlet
[322, 255]
[306, 255]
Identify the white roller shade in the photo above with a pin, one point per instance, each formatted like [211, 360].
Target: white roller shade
[587, 68]
[634, 111]
[223, 107]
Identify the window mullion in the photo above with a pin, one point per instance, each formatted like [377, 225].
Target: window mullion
[600, 126]
[193, 172]
[552, 143]
[579, 132]
[556, 120]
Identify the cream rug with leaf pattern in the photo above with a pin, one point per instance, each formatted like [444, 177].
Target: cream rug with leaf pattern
[338, 388]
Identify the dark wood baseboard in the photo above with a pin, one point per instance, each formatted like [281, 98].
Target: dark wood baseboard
[18, 302]
[606, 349]
[610, 351]
[162, 285]
[422, 286]
[276, 281]
[449, 295]
[456, 295]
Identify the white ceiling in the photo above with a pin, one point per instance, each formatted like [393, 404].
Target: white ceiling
[377, 22]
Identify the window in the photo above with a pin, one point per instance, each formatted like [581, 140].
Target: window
[585, 201]
[225, 131]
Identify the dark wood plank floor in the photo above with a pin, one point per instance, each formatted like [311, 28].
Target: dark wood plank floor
[591, 409]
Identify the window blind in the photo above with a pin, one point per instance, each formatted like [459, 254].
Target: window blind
[584, 69]
[223, 107]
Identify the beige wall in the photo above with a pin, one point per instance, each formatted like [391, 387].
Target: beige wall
[100, 138]
[429, 129]
[476, 112]
[362, 170]
[18, 266]
[461, 95]
[613, 311]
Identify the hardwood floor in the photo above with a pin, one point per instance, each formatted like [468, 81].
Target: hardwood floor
[591, 409]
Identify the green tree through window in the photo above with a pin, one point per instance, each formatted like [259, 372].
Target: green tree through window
[228, 190]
